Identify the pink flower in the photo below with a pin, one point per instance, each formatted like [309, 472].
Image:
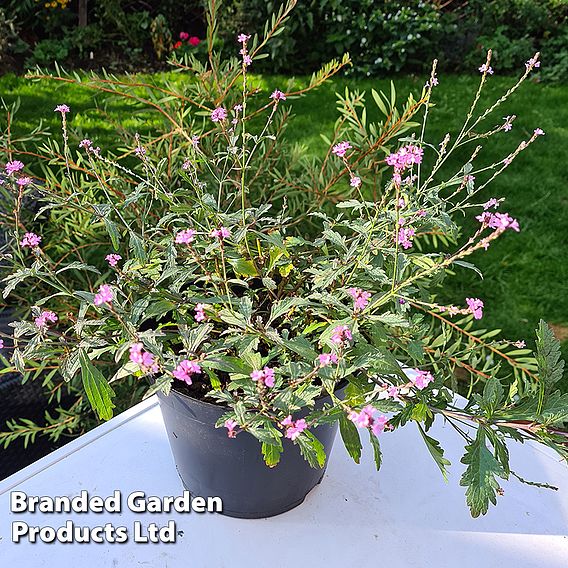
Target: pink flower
[360, 298]
[422, 213]
[63, 109]
[340, 149]
[1, 344]
[85, 143]
[475, 306]
[219, 114]
[379, 425]
[264, 376]
[231, 425]
[247, 59]
[341, 334]
[140, 151]
[392, 392]
[405, 157]
[185, 237]
[326, 359]
[30, 240]
[243, 38]
[405, 236]
[44, 317]
[142, 358]
[194, 41]
[539, 132]
[366, 419]
[486, 69]
[278, 95]
[23, 181]
[363, 419]
[294, 431]
[491, 203]
[422, 379]
[200, 313]
[185, 370]
[355, 181]
[183, 36]
[113, 259]
[103, 296]
[220, 233]
[508, 124]
[532, 63]
[14, 166]
[520, 344]
[498, 221]
[294, 428]
[238, 108]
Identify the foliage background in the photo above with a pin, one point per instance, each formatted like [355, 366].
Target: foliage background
[382, 36]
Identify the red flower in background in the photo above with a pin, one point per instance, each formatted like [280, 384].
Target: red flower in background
[193, 40]
[177, 44]
[183, 36]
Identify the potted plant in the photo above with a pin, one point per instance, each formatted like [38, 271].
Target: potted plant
[263, 337]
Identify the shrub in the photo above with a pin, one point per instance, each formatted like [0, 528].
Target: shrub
[213, 287]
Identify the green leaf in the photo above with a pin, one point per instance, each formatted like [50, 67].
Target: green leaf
[271, 454]
[492, 395]
[480, 476]
[96, 387]
[436, 452]
[113, 232]
[351, 439]
[282, 306]
[548, 356]
[243, 267]
[376, 450]
[312, 449]
[137, 247]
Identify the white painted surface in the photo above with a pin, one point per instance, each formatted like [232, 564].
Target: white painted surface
[404, 516]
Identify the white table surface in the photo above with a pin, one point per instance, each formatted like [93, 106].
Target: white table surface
[404, 516]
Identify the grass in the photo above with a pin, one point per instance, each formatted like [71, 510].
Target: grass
[525, 274]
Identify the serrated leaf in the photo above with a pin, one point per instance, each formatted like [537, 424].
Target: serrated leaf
[312, 449]
[549, 361]
[271, 454]
[481, 474]
[377, 454]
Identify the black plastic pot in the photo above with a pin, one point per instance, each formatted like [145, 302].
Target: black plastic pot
[210, 464]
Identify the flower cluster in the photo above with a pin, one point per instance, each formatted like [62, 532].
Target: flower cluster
[264, 376]
[144, 359]
[404, 159]
[30, 240]
[103, 296]
[200, 313]
[341, 335]
[367, 418]
[46, 316]
[192, 41]
[185, 237]
[113, 259]
[421, 379]
[186, 370]
[243, 40]
[360, 297]
[294, 427]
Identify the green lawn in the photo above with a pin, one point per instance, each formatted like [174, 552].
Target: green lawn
[526, 274]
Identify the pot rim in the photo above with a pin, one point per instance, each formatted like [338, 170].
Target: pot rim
[341, 384]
